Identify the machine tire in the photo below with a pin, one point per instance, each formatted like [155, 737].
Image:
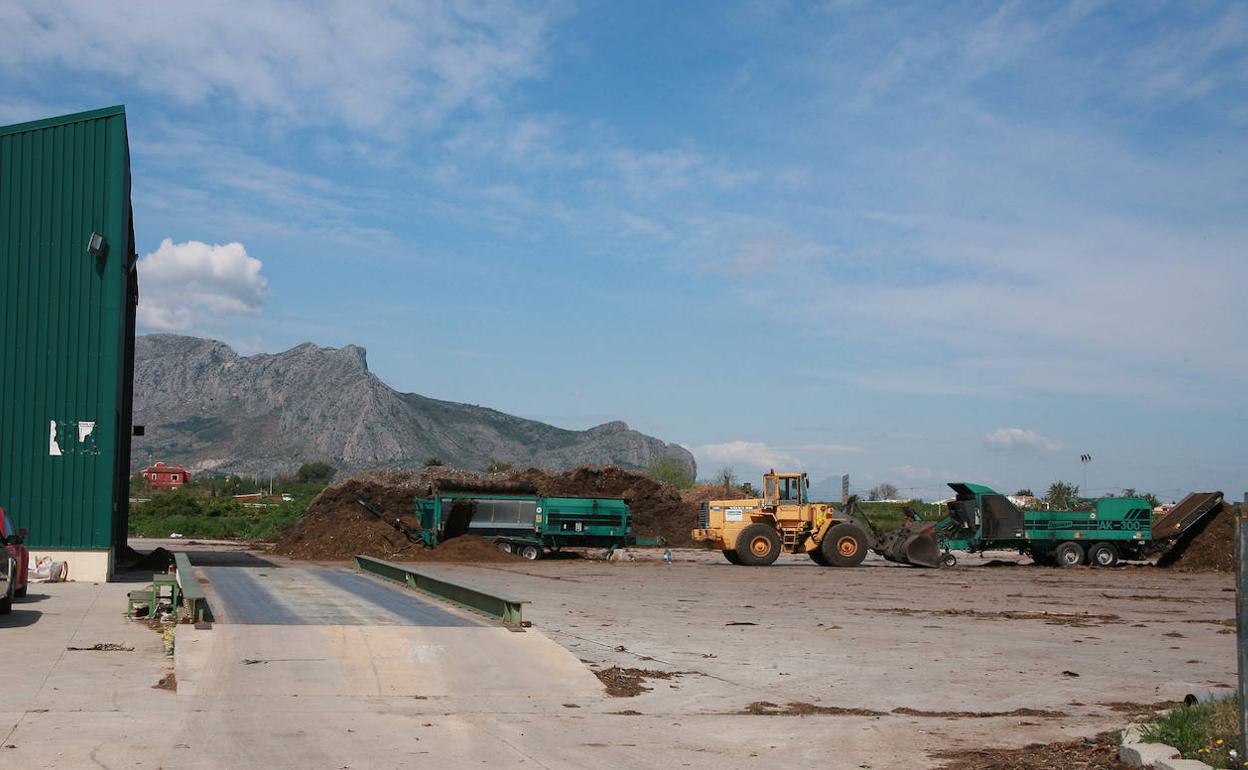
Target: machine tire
[845, 545]
[731, 556]
[818, 558]
[1069, 554]
[530, 552]
[758, 545]
[504, 547]
[1103, 555]
[948, 560]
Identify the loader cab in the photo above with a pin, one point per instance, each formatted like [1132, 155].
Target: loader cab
[785, 489]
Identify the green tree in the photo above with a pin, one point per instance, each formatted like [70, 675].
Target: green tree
[1024, 492]
[315, 473]
[433, 462]
[727, 477]
[666, 470]
[1062, 495]
[498, 467]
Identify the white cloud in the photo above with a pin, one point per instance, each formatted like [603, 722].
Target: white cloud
[1020, 438]
[752, 454]
[368, 65]
[182, 284]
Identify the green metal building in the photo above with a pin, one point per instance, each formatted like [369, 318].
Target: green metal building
[68, 292]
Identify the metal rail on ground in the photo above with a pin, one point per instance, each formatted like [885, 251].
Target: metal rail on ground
[192, 594]
[507, 609]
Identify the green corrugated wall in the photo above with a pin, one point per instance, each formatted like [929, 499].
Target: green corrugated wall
[67, 325]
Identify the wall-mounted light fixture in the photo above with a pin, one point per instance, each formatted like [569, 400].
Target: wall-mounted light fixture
[97, 245]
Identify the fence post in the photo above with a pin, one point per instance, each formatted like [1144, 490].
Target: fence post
[1241, 629]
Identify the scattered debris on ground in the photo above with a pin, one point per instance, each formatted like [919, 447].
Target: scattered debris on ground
[627, 682]
[798, 709]
[1020, 712]
[1073, 619]
[1207, 547]
[167, 682]
[103, 647]
[1098, 753]
[765, 708]
[1135, 711]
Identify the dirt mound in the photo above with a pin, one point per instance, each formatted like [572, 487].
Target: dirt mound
[1207, 547]
[658, 509]
[337, 527]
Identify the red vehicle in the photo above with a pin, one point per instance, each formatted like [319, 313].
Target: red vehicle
[15, 538]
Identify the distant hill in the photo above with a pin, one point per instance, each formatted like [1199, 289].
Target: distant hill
[205, 406]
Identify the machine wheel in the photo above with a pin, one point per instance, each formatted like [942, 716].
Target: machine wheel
[731, 556]
[758, 545]
[530, 552]
[504, 547]
[1103, 555]
[1068, 554]
[845, 545]
[818, 558]
[948, 560]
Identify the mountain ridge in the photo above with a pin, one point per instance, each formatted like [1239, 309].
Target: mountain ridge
[206, 406]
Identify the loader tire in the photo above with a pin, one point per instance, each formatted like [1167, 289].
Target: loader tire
[818, 558]
[731, 556]
[845, 545]
[758, 545]
[1069, 554]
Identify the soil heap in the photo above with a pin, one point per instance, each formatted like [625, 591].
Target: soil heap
[337, 527]
[1207, 547]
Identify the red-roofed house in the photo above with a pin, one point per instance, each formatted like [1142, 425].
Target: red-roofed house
[162, 476]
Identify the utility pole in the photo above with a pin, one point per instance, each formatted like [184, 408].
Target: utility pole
[1241, 628]
[1085, 459]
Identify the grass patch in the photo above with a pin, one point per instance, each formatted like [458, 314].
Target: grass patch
[211, 518]
[1204, 731]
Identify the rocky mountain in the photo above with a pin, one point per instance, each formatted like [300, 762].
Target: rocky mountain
[205, 406]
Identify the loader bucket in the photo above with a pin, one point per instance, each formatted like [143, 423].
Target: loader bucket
[915, 543]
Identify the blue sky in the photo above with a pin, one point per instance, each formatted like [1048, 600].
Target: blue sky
[910, 242]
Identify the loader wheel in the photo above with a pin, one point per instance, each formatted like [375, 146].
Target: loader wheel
[949, 560]
[845, 545]
[731, 556]
[818, 558]
[1103, 555]
[1068, 554]
[758, 545]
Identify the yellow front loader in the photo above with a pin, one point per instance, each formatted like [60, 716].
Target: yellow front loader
[755, 532]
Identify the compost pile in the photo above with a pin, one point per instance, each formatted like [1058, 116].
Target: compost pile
[337, 527]
[658, 509]
[1207, 547]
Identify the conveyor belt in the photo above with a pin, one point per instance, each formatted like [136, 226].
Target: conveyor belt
[1183, 516]
[319, 596]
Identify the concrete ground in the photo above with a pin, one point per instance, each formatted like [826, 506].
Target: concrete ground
[331, 691]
